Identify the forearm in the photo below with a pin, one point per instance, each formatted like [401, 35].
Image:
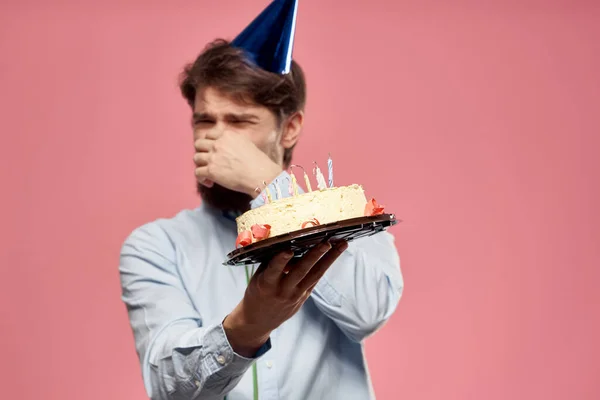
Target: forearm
[362, 289]
[180, 358]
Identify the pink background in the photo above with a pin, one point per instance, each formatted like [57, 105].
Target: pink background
[478, 125]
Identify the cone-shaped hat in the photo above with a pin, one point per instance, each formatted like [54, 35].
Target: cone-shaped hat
[269, 39]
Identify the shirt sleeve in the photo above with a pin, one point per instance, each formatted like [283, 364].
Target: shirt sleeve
[180, 358]
[363, 287]
[282, 181]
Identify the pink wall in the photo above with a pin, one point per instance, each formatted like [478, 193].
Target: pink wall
[477, 125]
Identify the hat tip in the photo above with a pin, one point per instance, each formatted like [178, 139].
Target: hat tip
[269, 39]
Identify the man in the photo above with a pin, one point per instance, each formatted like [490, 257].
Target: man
[290, 330]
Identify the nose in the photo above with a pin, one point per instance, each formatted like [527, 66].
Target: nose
[220, 125]
[216, 128]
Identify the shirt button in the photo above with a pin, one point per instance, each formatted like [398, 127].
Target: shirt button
[221, 359]
[197, 383]
[269, 364]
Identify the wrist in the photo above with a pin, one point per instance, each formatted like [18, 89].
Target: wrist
[266, 173]
[244, 337]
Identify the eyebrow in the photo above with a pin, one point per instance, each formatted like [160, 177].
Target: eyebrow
[243, 116]
[199, 116]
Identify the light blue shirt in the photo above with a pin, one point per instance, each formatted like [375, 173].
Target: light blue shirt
[177, 292]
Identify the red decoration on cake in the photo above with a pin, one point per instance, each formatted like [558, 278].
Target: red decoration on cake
[313, 222]
[261, 231]
[372, 208]
[243, 239]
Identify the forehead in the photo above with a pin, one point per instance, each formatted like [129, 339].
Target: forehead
[210, 100]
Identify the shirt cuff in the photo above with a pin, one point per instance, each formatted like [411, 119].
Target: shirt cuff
[283, 181]
[221, 359]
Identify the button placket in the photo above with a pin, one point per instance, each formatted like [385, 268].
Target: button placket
[267, 372]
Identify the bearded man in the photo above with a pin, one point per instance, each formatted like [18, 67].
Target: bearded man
[292, 329]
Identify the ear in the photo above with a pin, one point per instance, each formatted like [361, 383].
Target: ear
[291, 130]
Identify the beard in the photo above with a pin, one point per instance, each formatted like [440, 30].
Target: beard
[224, 199]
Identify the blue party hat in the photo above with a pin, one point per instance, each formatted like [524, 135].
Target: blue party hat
[269, 39]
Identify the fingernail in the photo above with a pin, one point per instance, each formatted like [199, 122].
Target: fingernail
[325, 246]
[288, 254]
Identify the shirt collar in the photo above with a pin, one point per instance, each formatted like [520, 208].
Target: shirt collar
[231, 215]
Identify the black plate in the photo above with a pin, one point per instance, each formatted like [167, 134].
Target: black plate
[303, 240]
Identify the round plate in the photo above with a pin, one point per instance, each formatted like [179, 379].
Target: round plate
[303, 240]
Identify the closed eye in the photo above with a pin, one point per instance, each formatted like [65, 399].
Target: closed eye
[200, 118]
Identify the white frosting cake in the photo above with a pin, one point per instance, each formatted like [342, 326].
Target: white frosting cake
[302, 211]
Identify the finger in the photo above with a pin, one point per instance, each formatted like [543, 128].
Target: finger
[305, 264]
[204, 145]
[274, 271]
[202, 171]
[203, 176]
[311, 288]
[262, 267]
[201, 159]
[317, 272]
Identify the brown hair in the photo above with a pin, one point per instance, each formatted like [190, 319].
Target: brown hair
[226, 68]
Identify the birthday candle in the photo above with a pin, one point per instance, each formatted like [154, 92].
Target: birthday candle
[320, 179]
[269, 198]
[261, 193]
[307, 181]
[278, 190]
[293, 185]
[290, 186]
[330, 167]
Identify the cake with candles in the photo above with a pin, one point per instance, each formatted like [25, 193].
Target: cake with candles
[281, 215]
